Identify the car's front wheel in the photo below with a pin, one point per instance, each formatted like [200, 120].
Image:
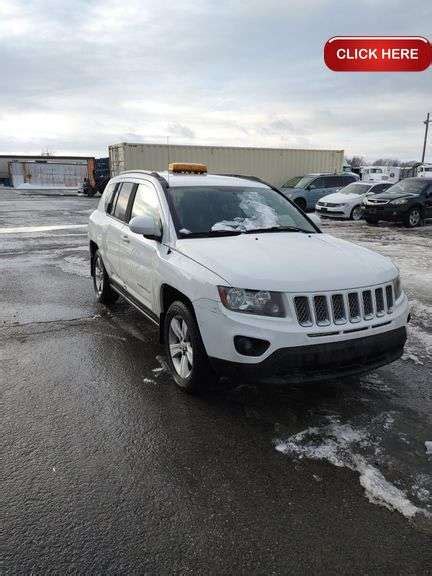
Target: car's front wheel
[356, 213]
[185, 350]
[104, 293]
[413, 218]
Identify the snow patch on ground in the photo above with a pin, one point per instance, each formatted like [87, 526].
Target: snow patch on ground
[339, 445]
[428, 446]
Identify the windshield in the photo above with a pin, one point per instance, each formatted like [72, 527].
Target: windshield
[407, 187]
[212, 210]
[355, 188]
[292, 182]
[304, 181]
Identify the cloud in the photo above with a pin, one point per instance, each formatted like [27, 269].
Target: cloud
[79, 76]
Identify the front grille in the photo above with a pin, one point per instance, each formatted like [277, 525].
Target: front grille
[303, 310]
[343, 307]
[321, 311]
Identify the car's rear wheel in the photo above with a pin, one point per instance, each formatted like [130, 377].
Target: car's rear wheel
[372, 221]
[301, 203]
[413, 217]
[187, 358]
[356, 213]
[104, 293]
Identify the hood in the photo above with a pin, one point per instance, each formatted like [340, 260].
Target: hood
[339, 198]
[289, 262]
[393, 195]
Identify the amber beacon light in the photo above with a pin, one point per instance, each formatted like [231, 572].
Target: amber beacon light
[378, 53]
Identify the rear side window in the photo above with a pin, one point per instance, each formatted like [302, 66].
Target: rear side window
[319, 183]
[146, 202]
[108, 196]
[121, 204]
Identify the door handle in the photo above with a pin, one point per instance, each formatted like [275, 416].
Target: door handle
[125, 239]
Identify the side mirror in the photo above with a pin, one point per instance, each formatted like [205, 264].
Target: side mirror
[315, 219]
[369, 194]
[146, 226]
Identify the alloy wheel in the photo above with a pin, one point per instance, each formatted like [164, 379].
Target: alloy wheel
[357, 213]
[180, 347]
[414, 217]
[99, 276]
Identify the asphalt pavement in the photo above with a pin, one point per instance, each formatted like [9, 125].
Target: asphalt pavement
[109, 469]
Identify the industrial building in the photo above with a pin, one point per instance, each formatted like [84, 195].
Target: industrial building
[275, 165]
[22, 171]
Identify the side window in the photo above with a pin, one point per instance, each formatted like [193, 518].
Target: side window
[345, 180]
[318, 183]
[108, 196]
[378, 188]
[122, 201]
[146, 202]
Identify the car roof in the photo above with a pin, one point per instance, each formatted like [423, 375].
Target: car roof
[176, 179]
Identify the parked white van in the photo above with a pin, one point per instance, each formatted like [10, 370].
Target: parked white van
[240, 281]
[380, 174]
[424, 171]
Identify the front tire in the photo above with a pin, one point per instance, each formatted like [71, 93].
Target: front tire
[104, 293]
[187, 358]
[413, 217]
[356, 213]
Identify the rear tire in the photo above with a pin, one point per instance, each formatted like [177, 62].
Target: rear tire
[413, 218]
[187, 358]
[301, 204]
[101, 284]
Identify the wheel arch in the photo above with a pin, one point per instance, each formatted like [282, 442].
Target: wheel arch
[168, 295]
[93, 249]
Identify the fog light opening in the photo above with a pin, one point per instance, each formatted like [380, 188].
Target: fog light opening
[250, 346]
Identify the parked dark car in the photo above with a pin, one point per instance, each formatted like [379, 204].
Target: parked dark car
[409, 201]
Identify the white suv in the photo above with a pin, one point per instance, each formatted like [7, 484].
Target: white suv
[240, 281]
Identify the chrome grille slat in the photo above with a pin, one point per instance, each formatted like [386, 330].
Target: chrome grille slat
[303, 310]
[379, 302]
[322, 315]
[338, 305]
[368, 310]
[389, 298]
[354, 307]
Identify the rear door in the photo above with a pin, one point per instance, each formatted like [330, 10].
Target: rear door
[317, 189]
[139, 265]
[116, 238]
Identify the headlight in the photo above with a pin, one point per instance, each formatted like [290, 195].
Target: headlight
[399, 201]
[397, 287]
[259, 302]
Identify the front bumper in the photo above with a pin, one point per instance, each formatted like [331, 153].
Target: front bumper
[330, 212]
[320, 362]
[287, 339]
[385, 212]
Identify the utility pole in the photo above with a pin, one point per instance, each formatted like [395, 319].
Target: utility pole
[426, 122]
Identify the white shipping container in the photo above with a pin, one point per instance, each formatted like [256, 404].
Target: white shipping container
[275, 165]
[48, 174]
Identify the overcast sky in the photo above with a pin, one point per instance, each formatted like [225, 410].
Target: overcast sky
[79, 75]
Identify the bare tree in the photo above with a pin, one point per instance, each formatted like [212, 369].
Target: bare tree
[356, 161]
[387, 162]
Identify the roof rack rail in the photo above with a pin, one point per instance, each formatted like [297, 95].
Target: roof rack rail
[162, 181]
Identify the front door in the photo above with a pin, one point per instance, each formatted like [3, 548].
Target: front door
[138, 267]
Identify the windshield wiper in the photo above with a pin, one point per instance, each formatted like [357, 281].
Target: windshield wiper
[278, 229]
[211, 234]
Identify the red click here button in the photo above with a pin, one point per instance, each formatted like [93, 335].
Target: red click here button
[378, 53]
